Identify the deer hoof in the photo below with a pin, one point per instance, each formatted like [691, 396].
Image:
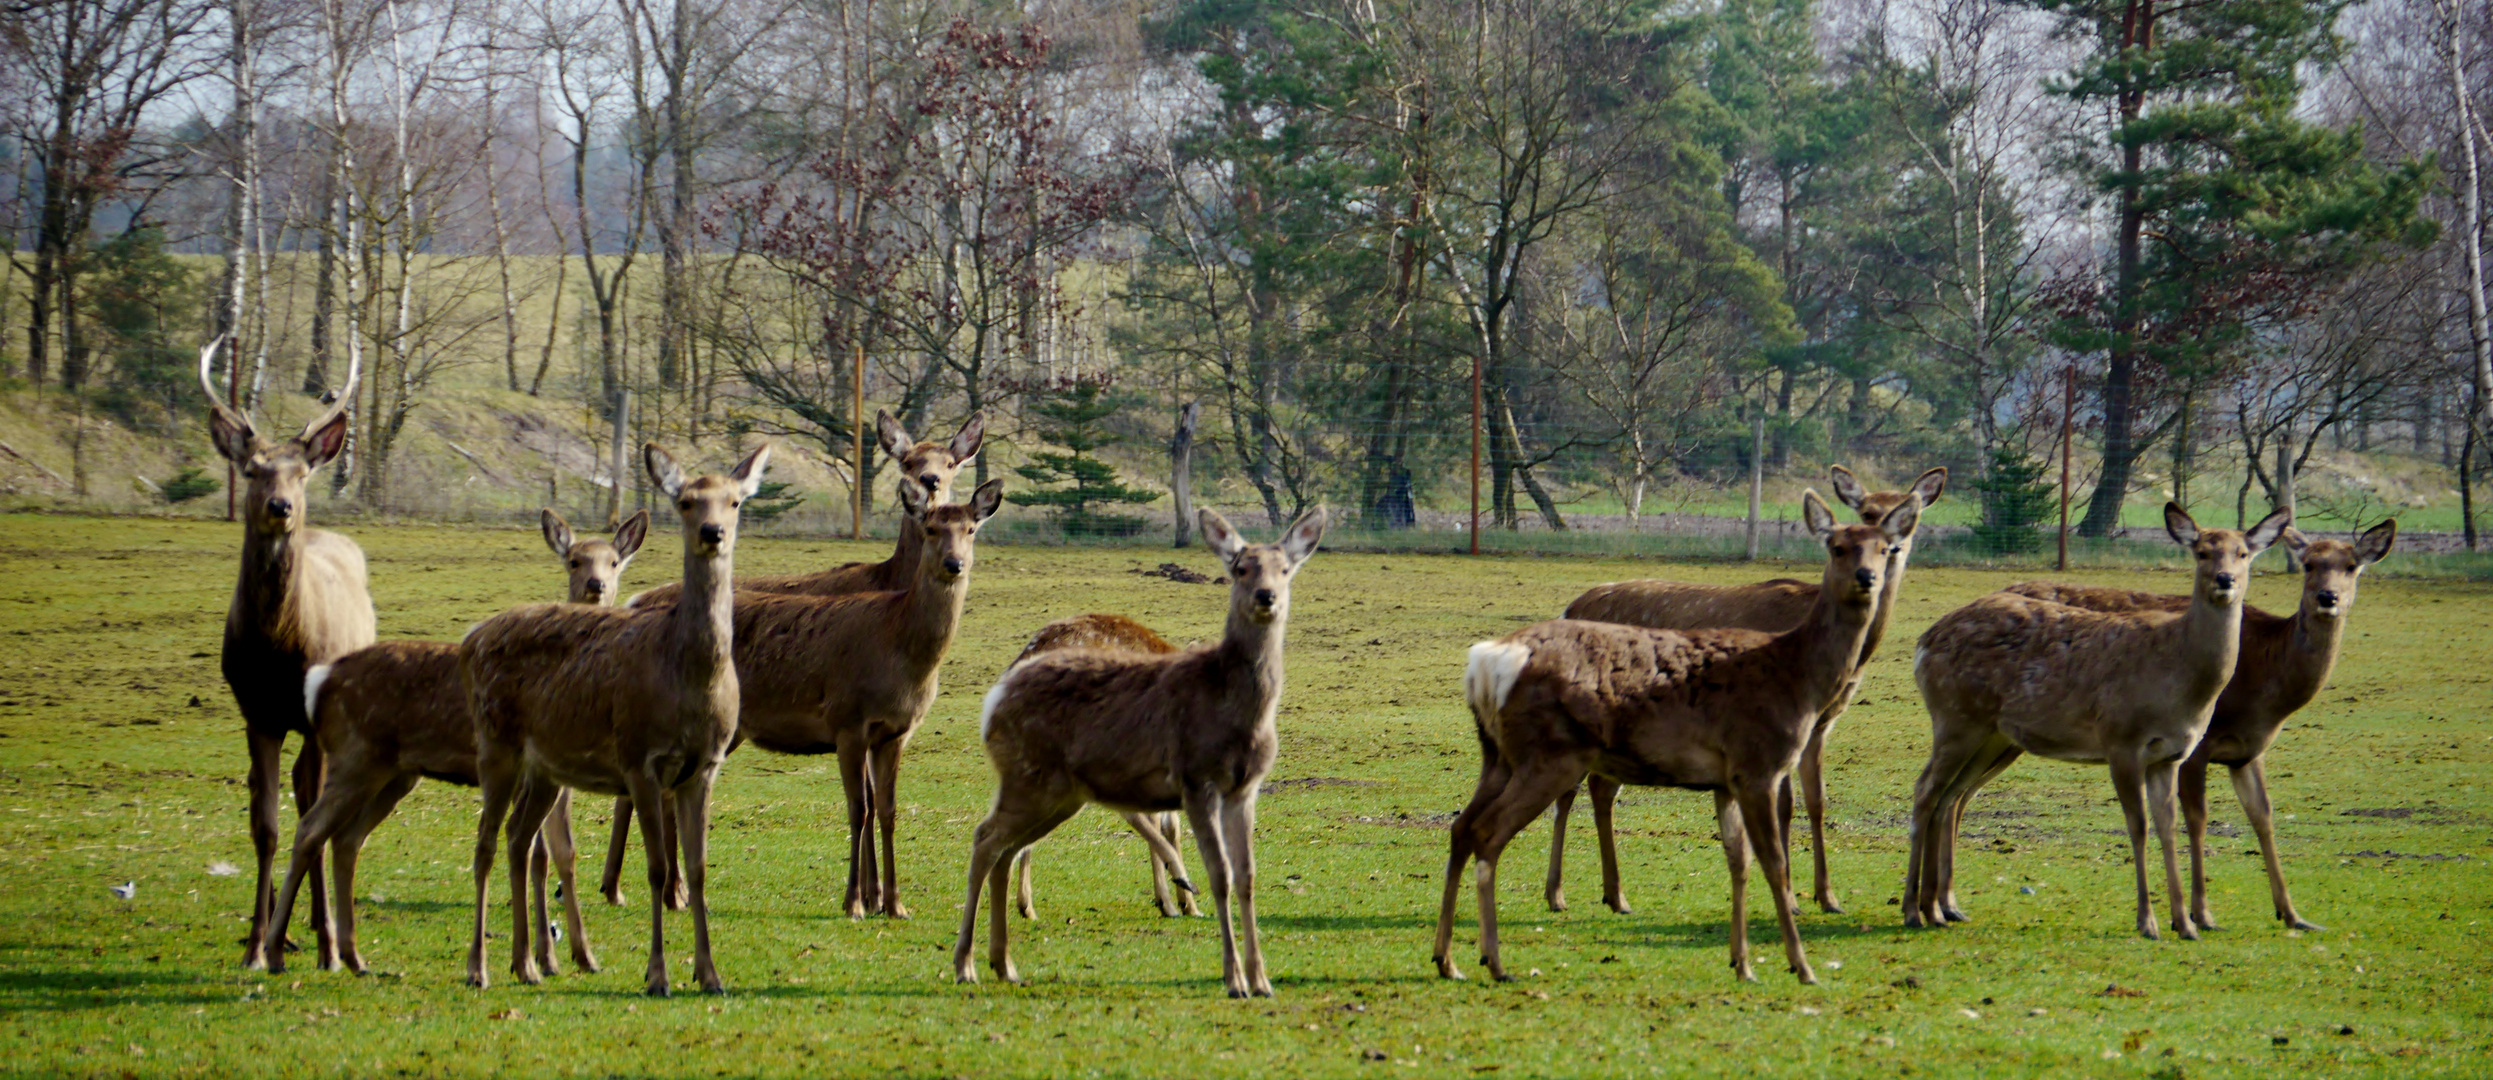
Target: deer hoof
[1446, 970]
[2297, 922]
[1828, 906]
[1954, 914]
[658, 988]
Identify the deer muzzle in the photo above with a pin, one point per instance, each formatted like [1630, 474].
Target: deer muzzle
[713, 534]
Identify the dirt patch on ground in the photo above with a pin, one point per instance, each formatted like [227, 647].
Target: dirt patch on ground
[2427, 857]
[1405, 820]
[2429, 815]
[1274, 787]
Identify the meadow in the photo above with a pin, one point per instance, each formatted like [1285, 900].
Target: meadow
[121, 761]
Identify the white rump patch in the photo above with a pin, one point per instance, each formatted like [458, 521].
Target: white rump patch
[472, 628]
[635, 600]
[313, 680]
[986, 710]
[1490, 675]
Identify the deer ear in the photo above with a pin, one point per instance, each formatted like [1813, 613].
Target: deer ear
[973, 434]
[325, 441]
[895, 438]
[2268, 529]
[2179, 526]
[628, 538]
[986, 500]
[1847, 486]
[2375, 542]
[1900, 521]
[1217, 533]
[1931, 484]
[662, 470]
[748, 474]
[1300, 539]
[230, 433]
[2294, 541]
[913, 500]
[1814, 511]
[557, 531]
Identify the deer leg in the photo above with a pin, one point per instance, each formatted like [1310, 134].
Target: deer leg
[2129, 787]
[1729, 828]
[1813, 795]
[1605, 792]
[498, 780]
[854, 781]
[1177, 869]
[1934, 797]
[1017, 822]
[886, 762]
[1024, 898]
[1766, 841]
[648, 807]
[340, 803]
[986, 849]
[692, 830]
[540, 931]
[1995, 759]
[2159, 792]
[1163, 855]
[1459, 847]
[1238, 822]
[345, 849]
[558, 843]
[1203, 811]
[2250, 784]
[2191, 792]
[677, 898]
[610, 880]
[309, 770]
[1553, 891]
[529, 807]
[1532, 790]
[262, 816]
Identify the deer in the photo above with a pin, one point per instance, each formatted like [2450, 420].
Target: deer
[615, 701]
[302, 598]
[1771, 606]
[2008, 675]
[1191, 730]
[1115, 632]
[393, 713]
[2283, 662]
[855, 674]
[1729, 711]
[931, 466]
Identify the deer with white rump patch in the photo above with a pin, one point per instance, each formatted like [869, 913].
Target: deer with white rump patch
[2283, 663]
[1191, 730]
[2009, 675]
[617, 701]
[393, 713]
[1771, 606]
[1726, 711]
[302, 599]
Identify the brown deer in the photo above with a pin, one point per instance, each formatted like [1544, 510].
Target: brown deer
[1139, 732]
[393, 713]
[1116, 633]
[930, 467]
[1724, 710]
[614, 701]
[855, 675]
[300, 600]
[1771, 606]
[2284, 661]
[2008, 675]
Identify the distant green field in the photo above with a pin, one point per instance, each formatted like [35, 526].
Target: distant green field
[120, 760]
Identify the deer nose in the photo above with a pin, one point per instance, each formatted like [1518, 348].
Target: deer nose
[281, 508]
[2224, 581]
[1866, 576]
[952, 564]
[930, 480]
[2328, 598]
[713, 533]
[594, 587]
[1263, 598]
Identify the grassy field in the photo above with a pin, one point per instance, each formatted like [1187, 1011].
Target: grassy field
[120, 760]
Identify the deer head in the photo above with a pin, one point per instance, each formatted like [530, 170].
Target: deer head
[707, 503]
[1874, 506]
[1857, 554]
[274, 472]
[593, 564]
[931, 466]
[2224, 555]
[2331, 567]
[951, 532]
[1259, 574]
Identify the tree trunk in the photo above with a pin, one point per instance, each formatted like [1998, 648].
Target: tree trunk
[1182, 473]
[324, 292]
[2120, 452]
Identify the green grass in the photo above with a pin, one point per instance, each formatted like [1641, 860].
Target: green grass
[109, 773]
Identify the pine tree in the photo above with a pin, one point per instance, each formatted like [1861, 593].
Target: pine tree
[1076, 411]
[2014, 499]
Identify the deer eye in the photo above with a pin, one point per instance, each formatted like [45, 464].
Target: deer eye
[575, 564]
[684, 504]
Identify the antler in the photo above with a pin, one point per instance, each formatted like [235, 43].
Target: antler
[346, 397]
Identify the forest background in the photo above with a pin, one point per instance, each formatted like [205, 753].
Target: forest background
[1629, 266]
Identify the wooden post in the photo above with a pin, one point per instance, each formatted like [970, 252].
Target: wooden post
[1475, 455]
[2068, 415]
[1182, 472]
[857, 428]
[1757, 475]
[623, 423]
[2285, 486]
